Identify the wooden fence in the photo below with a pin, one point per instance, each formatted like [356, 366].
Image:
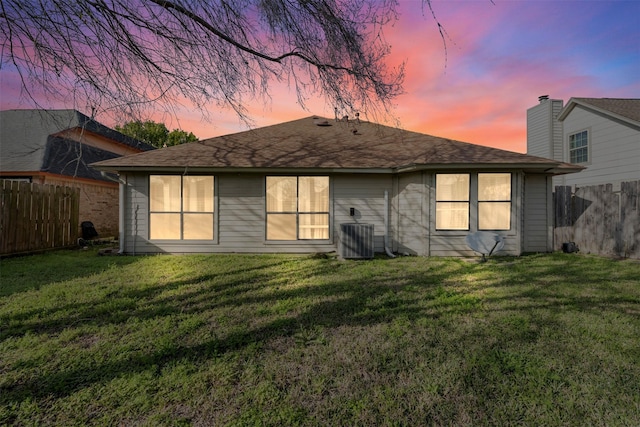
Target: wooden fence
[37, 217]
[599, 220]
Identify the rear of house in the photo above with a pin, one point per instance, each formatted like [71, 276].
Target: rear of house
[299, 186]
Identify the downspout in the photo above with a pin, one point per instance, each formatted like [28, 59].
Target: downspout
[121, 201]
[121, 216]
[135, 228]
[121, 210]
[386, 225]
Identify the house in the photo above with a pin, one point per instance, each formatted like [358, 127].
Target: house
[597, 208]
[56, 147]
[602, 134]
[302, 186]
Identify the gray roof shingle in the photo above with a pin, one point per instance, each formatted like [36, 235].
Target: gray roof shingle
[24, 136]
[319, 143]
[628, 108]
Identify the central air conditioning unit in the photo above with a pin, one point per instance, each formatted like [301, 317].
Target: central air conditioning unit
[356, 241]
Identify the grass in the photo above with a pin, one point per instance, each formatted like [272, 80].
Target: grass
[267, 340]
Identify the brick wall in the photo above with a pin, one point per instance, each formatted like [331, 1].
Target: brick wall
[98, 204]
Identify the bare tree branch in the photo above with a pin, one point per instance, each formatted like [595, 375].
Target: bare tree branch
[128, 56]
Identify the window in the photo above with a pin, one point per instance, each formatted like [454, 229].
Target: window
[297, 207]
[481, 202]
[579, 147]
[494, 201]
[452, 201]
[181, 207]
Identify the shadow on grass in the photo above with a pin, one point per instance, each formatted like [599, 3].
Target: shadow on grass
[327, 293]
[121, 303]
[31, 272]
[356, 301]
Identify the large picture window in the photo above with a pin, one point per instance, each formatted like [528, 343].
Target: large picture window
[579, 147]
[297, 207]
[494, 201]
[452, 201]
[181, 207]
[460, 207]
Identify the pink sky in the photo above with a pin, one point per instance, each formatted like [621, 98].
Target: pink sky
[500, 58]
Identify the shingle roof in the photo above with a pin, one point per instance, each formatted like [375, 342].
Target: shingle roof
[319, 143]
[624, 108]
[30, 142]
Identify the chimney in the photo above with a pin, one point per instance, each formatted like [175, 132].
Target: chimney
[544, 131]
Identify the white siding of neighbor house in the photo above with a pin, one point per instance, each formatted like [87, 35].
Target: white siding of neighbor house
[240, 216]
[538, 226]
[614, 149]
[544, 132]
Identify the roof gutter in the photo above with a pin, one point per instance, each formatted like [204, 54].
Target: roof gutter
[554, 168]
[564, 169]
[274, 170]
[539, 167]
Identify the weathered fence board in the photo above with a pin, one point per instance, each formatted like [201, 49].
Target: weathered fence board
[37, 217]
[599, 220]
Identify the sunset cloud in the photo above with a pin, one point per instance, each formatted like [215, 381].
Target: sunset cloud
[499, 58]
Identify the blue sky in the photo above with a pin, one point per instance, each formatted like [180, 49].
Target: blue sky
[500, 57]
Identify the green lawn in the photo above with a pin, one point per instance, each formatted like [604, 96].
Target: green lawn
[541, 340]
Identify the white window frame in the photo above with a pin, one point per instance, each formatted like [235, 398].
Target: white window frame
[454, 201]
[493, 200]
[297, 212]
[474, 204]
[184, 210]
[586, 147]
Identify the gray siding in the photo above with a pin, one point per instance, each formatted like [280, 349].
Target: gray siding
[544, 132]
[136, 214]
[241, 212]
[614, 150]
[364, 193]
[452, 243]
[240, 224]
[240, 216]
[537, 214]
[411, 211]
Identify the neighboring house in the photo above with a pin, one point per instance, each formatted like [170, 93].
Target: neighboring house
[597, 208]
[56, 147]
[292, 187]
[602, 134]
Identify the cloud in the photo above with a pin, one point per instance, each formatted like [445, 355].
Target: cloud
[499, 58]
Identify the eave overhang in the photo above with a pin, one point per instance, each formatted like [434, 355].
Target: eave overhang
[537, 168]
